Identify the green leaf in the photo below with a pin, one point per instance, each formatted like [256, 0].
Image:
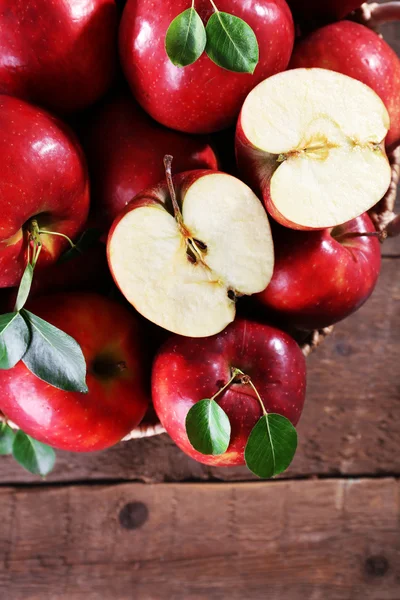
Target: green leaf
[54, 356]
[208, 428]
[6, 439]
[35, 457]
[14, 339]
[24, 287]
[86, 241]
[231, 43]
[186, 38]
[271, 446]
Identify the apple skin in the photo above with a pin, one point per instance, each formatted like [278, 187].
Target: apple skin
[187, 370]
[319, 280]
[116, 402]
[200, 98]
[43, 175]
[325, 9]
[57, 54]
[357, 51]
[125, 150]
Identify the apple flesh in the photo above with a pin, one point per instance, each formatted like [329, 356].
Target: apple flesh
[117, 369]
[125, 151]
[311, 141]
[44, 177]
[325, 9]
[358, 52]
[57, 54]
[322, 277]
[188, 370]
[186, 276]
[200, 98]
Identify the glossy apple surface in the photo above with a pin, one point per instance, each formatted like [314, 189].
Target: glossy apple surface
[125, 150]
[326, 9]
[118, 395]
[43, 176]
[202, 97]
[59, 54]
[356, 51]
[188, 370]
[321, 277]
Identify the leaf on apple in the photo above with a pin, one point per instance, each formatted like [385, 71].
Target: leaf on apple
[186, 38]
[231, 43]
[271, 446]
[14, 339]
[208, 428]
[54, 356]
[86, 241]
[6, 439]
[24, 287]
[35, 457]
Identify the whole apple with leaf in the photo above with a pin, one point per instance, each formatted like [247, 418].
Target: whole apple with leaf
[186, 242]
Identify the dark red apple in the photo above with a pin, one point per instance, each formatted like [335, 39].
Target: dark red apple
[58, 54]
[358, 52]
[125, 150]
[321, 277]
[202, 97]
[117, 378]
[43, 177]
[325, 9]
[187, 370]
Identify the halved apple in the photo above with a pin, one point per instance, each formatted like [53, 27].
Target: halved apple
[312, 142]
[182, 252]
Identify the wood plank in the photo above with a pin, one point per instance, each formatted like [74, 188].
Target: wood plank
[350, 425]
[320, 540]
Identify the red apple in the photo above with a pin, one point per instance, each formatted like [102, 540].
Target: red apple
[202, 97]
[58, 54]
[118, 397]
[43, 177]
[358, 52]
[321, 277]
[125, 150]
[311, 142]
[326, 9]
[187, 370]
[183, 251]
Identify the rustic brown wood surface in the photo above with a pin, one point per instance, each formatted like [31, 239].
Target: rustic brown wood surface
[317, 540]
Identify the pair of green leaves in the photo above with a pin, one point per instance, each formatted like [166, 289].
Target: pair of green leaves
[35, 457]
[48, 352]
[269, 450]
[228, 41]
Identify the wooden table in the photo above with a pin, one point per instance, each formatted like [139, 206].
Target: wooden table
[144, 522]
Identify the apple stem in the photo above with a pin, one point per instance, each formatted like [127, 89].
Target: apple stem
[44, 231]
[168, 174]
[247, 379]
[383, 13]
[235, 374]
[244, 379]
[381, 235]
[214, 6]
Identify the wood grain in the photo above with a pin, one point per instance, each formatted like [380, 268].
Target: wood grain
[319, 540]
[350, 425]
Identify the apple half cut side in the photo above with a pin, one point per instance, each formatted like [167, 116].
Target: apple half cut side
[311, 141]
[184, 271]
